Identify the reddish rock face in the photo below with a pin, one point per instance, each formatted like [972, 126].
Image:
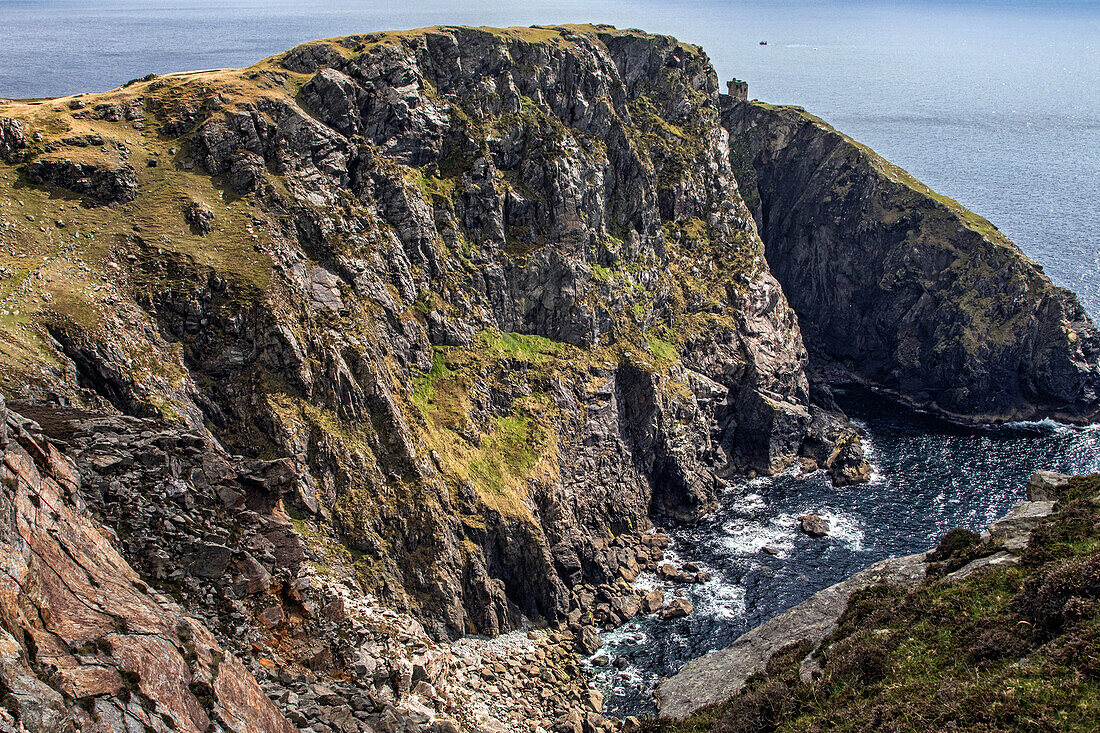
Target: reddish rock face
[83, 643]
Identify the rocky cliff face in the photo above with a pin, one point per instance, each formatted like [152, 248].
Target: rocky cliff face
[904, 289]
[85, 644]
[491, 294]
[153, 582]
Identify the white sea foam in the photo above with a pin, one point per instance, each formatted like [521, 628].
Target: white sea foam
[632, 632]
[846, 528]
[750, 538]
[1048, 424]
[870, 453]
[647, 582]
[843, 526]
[719, 598]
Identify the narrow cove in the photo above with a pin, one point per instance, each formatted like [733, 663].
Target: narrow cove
[930, 476]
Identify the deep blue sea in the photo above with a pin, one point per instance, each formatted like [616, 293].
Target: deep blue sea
[996, 104]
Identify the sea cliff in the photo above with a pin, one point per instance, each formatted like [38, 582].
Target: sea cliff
[903, 289]
[401, 337]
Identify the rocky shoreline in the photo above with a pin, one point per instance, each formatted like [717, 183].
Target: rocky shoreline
[719, 675]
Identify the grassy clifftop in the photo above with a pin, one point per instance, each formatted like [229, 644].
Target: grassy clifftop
[66, 256]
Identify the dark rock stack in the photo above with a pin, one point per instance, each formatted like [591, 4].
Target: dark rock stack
[904, 289]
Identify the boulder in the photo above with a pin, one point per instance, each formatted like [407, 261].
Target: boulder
[210, 560]
[588, 641]
[814, 525]
[1014, 528]
[848, 465]
[653, 600]
[593, 700]
[1046, 485]
[199, 217]
[669, 572]
[678, 608]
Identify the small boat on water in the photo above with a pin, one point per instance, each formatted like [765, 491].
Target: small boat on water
[763, 43]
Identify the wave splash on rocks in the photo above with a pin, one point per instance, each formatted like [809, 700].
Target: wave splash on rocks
[929, 476]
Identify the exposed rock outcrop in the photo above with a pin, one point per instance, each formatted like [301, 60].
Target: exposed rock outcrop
[101, 182]
[904, 289]
[85, 643]
[440, 321]
[13, 141]
[199, 218]
[492, 294]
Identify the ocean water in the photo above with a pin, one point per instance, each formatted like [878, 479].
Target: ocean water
[996, 104]
[929, 476]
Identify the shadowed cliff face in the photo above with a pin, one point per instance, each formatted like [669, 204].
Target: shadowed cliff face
[493, 293]
[904, 289]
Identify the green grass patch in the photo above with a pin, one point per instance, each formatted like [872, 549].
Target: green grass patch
[663, 350]
[521, 346]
